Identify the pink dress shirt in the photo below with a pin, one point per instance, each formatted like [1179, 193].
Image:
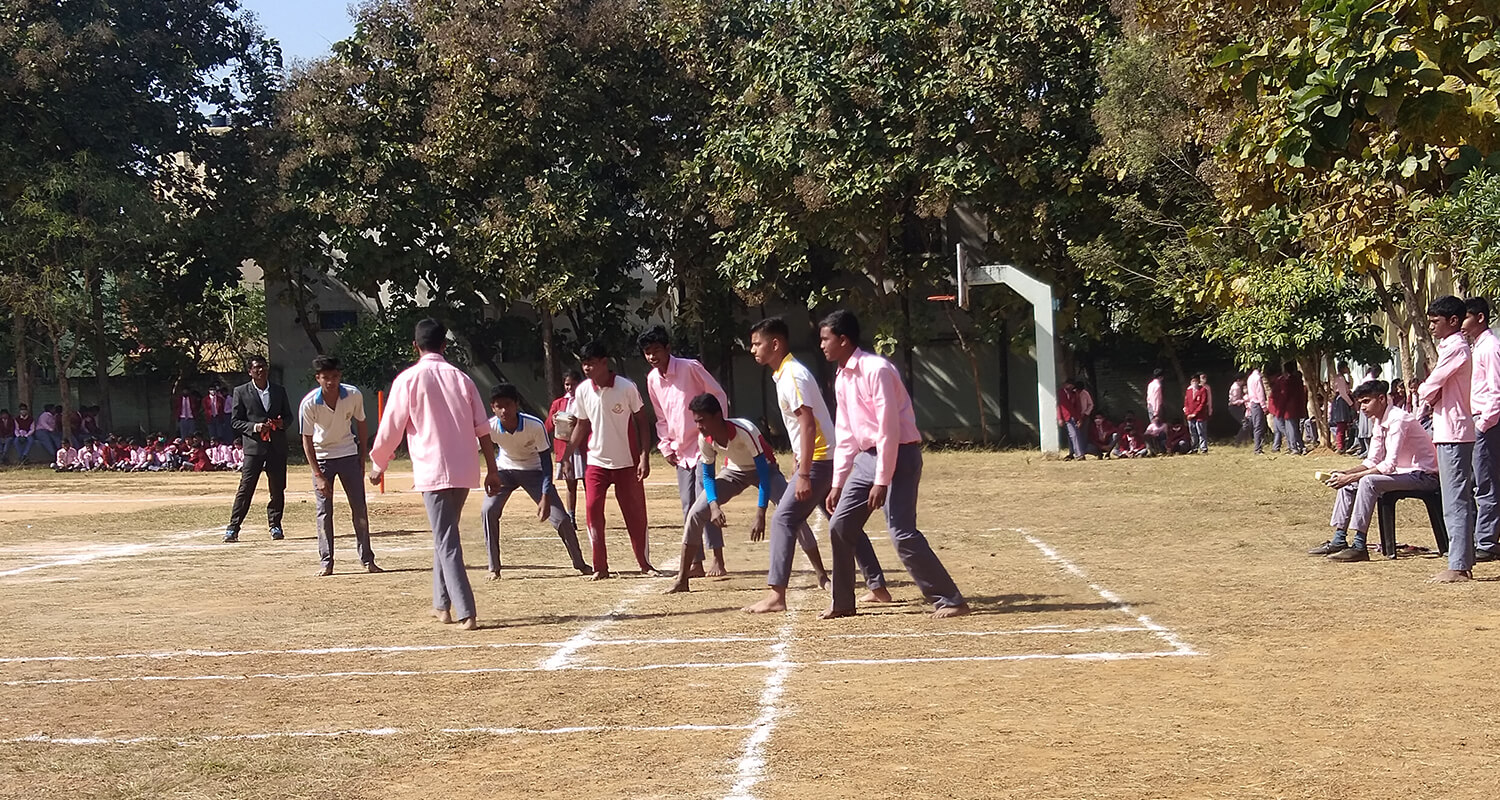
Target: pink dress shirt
[874, 410]
[1255, 389]
[676, 433]
[1153, 397]
[1485, 395]
[1447, 390]
[436, 407]
[1399, 443]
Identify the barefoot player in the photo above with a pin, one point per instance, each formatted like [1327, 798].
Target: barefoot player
[437, 409]
[749, 464]
[877, 463]
[810, 428]
[523, 452]
[609, 408]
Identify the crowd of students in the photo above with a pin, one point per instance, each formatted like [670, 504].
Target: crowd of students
[1090, 432]
[36, 438]
[159, 454]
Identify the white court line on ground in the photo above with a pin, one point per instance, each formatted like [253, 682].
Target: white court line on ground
[434, 648]
[585, 637]
[1178, 646]
[751, 767]
[120, 551]
[42, 738]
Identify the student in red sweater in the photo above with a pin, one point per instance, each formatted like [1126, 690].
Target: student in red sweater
[569, 470]
[1197, 406]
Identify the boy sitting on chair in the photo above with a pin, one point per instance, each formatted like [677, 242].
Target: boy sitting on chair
[1402, 457]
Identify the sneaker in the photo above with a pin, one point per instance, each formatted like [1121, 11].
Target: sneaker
[276, 534]
[1327, 549]
[1349, 554]
[1486, 555]
[231, 535]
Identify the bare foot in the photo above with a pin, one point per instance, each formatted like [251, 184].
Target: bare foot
[824, 581]
[442, 615]
[953, 611]
[600, 575]
[773, 601]
[680, 587]
[468, 623]
[836, 613]
[716, 569]
[697, 571]
[494, 576]
[1452, 576]
[877, 596]
[653, 572]
[323, 572]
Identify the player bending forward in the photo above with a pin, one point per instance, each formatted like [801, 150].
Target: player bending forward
[749, 464]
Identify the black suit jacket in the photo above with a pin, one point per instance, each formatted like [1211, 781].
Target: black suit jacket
[248, 411]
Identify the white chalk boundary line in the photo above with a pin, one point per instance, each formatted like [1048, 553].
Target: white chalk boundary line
[83, 741]
[591, 642]
[1179, 647]
[120, 551]
[563, 656]
[750, 769]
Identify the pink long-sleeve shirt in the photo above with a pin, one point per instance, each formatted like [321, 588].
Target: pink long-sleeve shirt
[874, 410]
[1447, 390]
[1153, 397]
[1399, 443]
[436, 407]
[676, 433]
[1255, 389]
[1484, 396]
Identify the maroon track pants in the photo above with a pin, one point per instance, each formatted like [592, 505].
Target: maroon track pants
[630, 493]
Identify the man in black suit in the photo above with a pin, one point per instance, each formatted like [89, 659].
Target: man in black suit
[261, 414]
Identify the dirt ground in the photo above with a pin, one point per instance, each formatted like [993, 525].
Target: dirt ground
[1144, 629]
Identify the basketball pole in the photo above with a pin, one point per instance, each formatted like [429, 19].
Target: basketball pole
[380, 412]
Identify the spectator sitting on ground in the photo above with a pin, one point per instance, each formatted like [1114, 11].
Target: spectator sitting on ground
[1103, 435]
[1178, 440]
[67, 458]
[1156, 436]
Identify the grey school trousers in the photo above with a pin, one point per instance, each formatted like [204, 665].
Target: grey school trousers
[450, 582]
[531, 482]
[1487, 490]
[349, 473]
[916, 554]
[1354, 505]
[689, 489]
[790, 521]
[1456, 472]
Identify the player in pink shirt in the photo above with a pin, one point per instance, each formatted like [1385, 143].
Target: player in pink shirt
[673, 383]
[1402, 457]
[436, 408]
[877, 463]
[1447, 391]
[1484, 400]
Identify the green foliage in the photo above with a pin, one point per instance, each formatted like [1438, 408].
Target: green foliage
[1462, 228]
[1296, 308]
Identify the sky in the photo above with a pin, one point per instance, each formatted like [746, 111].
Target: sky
[305, 28]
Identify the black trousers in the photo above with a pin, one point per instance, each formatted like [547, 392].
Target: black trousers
[274, 465]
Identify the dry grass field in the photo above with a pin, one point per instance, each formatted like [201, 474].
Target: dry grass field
[1143, 629]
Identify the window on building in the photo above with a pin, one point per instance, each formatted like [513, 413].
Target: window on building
[336, 320]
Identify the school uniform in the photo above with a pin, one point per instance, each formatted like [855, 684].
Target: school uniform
[747, 463]
[1402, 452]
[611, 462]
[436, 408]
[1448, 390]
[337, 449]
[524, 456]
[878, 444]
[23, 430]
[1484, 399]
[568, 468]
[676, 433]
[796, 388]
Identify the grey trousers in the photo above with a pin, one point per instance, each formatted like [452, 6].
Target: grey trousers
[689, 488]
[352, 478]
[1291, 436]
[1456, 471]
[1487, 490]
[916, 554]
[1354, 505]
[531, 482]
[450, 582]
[790, 522]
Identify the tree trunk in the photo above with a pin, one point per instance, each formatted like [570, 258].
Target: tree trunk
[1169, 346]
[99, 345]
[66, 423]
[1316, 411]
[963, 343]
[23, 357]
[550, 370]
